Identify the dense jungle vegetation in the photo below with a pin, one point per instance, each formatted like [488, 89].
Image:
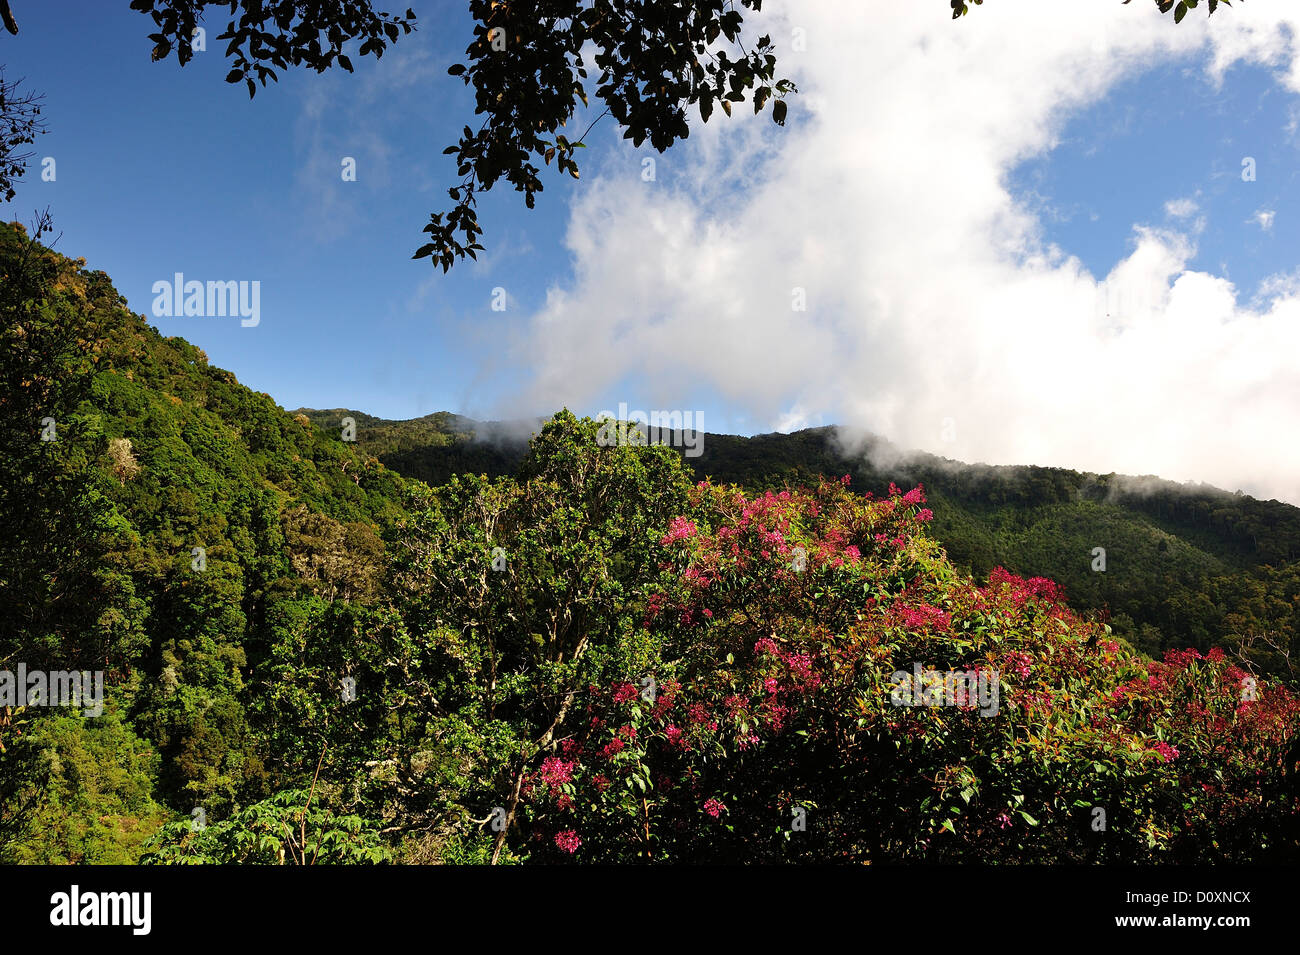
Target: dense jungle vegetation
[426, 647]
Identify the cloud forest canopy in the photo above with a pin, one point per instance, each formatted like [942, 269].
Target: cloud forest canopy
[310, 659]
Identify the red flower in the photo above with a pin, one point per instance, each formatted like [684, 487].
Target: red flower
[568, 841]
[922, 616]
[1170, 753]
[556, 771]
[1018, 663]
[679, 529]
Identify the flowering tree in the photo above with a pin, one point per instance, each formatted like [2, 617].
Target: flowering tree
[775, 732]
[598, 662]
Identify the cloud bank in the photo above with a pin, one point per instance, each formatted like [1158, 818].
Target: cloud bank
[935, 312]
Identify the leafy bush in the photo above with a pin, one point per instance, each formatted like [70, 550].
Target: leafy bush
[287, 828]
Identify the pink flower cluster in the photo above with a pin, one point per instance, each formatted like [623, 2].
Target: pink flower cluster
[801, 667]
[776, 715]
[713, 807]
[1022, 590]
[664, 699]
[1182, 658]
[1018, 663]
[556, 772]
[680, 529]
[911, 498]
[654, 607]
[568, 840]
[922, 616]
[699, 714]
[1170, 753]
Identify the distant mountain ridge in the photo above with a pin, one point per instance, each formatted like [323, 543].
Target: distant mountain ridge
[1184, 564]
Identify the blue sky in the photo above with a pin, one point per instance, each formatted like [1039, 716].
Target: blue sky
[162, 169]
[1164, 134]
[951, 228]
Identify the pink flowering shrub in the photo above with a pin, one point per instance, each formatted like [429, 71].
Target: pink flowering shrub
[774, 634]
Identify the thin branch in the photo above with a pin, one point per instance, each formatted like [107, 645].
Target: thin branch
[302, 820]
[593, 123]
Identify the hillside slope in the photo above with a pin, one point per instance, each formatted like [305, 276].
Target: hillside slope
[157, 520]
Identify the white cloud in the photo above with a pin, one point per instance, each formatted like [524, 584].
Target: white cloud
[1264, 219]
[931, 294]
[1181, 208]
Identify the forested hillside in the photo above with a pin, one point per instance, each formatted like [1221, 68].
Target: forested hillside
[1185, 565]
[166, 525]
[597, 657]
[435, 447]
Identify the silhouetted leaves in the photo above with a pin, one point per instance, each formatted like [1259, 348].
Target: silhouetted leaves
[529, 75]
[19, 126]
[266, 36]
